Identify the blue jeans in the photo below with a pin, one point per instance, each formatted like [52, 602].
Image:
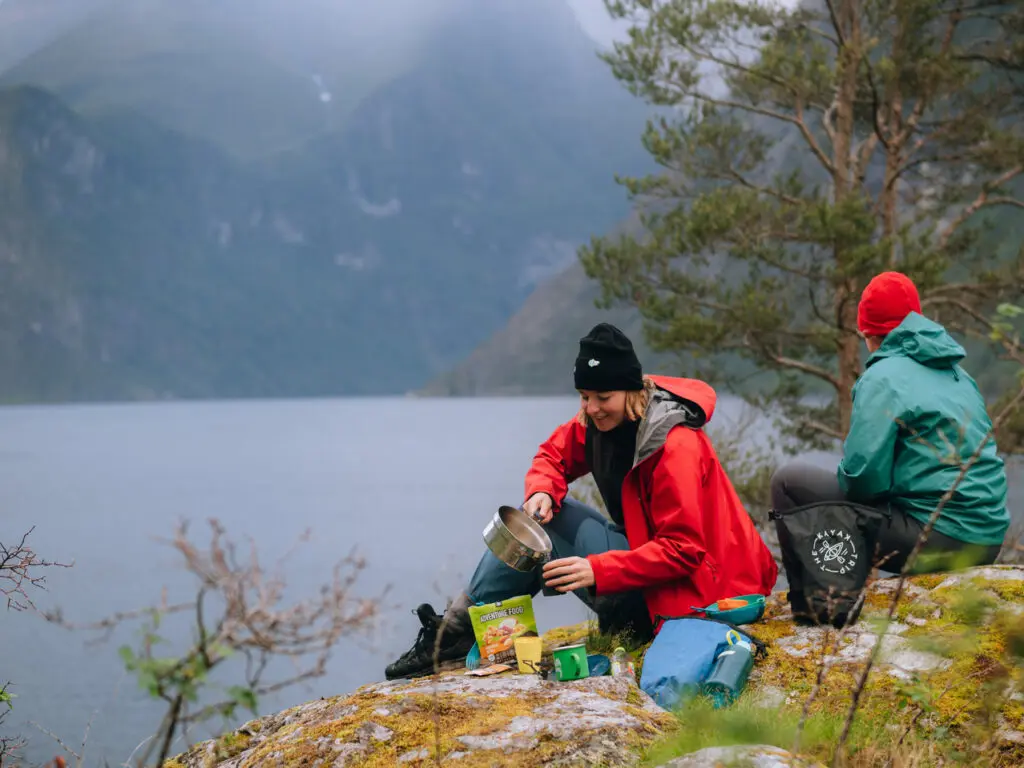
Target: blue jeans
[575, 530]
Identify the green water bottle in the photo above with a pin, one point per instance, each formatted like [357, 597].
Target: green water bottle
[730, 671]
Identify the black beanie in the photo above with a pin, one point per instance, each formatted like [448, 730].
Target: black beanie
[607, 362]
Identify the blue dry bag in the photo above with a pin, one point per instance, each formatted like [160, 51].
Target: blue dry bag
[681, 656]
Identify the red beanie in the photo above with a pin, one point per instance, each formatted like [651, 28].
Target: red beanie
[886, 301]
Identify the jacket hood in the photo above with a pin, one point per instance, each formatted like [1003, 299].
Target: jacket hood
[923, 341]
[674, 402]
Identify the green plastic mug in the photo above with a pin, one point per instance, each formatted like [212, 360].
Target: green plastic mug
[571, 662]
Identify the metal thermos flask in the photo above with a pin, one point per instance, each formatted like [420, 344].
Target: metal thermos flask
[730, 671]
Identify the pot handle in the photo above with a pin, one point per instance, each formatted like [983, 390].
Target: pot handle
[535, 516]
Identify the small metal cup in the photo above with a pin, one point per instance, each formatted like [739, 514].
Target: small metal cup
[545, 589]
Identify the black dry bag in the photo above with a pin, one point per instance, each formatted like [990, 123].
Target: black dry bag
[831, 547]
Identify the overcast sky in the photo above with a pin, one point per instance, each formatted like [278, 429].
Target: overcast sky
[594, 18]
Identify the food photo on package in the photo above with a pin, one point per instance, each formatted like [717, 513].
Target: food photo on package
[497, 625]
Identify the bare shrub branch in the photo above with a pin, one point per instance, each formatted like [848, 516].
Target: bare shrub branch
[20, 572]
[9, 745]
[239, 611]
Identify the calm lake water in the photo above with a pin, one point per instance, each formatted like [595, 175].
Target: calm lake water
[411, 483]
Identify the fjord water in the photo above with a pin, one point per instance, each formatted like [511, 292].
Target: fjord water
[409, 482]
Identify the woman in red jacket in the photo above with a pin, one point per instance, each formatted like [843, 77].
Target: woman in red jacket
[676, 536]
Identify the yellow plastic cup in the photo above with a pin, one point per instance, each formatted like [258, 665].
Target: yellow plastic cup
[528, 652]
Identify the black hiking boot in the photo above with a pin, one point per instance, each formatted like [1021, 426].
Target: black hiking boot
[418, 661]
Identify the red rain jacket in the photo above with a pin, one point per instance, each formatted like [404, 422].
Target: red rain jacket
[691, 542]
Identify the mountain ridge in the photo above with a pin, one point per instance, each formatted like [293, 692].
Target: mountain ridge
[366, 261]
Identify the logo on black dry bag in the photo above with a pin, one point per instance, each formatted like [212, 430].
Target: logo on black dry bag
[833, 551]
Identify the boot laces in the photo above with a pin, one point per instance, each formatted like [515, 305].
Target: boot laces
[426, 637]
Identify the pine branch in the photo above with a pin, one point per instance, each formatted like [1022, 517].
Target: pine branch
[982, 201]
[781, 361]
[821, 428]
[924, 100]
[798, 121]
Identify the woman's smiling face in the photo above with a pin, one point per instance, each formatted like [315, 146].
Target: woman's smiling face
[606, 409]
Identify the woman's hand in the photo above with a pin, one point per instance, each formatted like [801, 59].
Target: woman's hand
[540, 507]
[568, 574]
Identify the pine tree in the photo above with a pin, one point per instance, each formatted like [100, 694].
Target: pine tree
[805, 150]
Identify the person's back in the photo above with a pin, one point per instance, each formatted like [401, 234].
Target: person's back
[918, 420]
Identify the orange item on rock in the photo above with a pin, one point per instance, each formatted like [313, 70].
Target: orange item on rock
[729, 603]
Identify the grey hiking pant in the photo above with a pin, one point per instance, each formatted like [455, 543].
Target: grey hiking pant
[797, 484]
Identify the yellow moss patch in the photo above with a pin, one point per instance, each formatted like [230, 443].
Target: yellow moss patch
[651, 723]
[877, 603]
[798, 675]
[776, 604]
[570, 635]
[780, 670]
[423, 721]
[928, 581]
[1011, 591]
[963, 699]
[231, 744]
[770, 631]
[634, 697]
[300, 744]
[978, 674]
[545, 752]
[224, 748]
[1007, 590]
[1014, 711]
[920, 610]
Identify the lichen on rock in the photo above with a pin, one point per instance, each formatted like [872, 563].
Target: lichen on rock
[497, 721]
[944, 664]
[752, 756]
[946, 643]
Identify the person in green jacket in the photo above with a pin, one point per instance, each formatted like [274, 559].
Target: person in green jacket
[918, 418]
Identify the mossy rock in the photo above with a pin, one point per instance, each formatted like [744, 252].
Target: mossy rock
[948, 667]
[505, 720]
[748, 756]
[943, 625]
[949, 664]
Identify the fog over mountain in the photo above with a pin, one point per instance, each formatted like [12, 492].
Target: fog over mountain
[259, 197]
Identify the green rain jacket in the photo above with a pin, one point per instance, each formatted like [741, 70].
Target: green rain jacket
[917, 418]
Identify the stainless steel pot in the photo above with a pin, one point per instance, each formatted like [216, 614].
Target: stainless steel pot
[517, 539]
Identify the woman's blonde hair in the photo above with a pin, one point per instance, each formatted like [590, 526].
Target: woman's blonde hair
[636, 403]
